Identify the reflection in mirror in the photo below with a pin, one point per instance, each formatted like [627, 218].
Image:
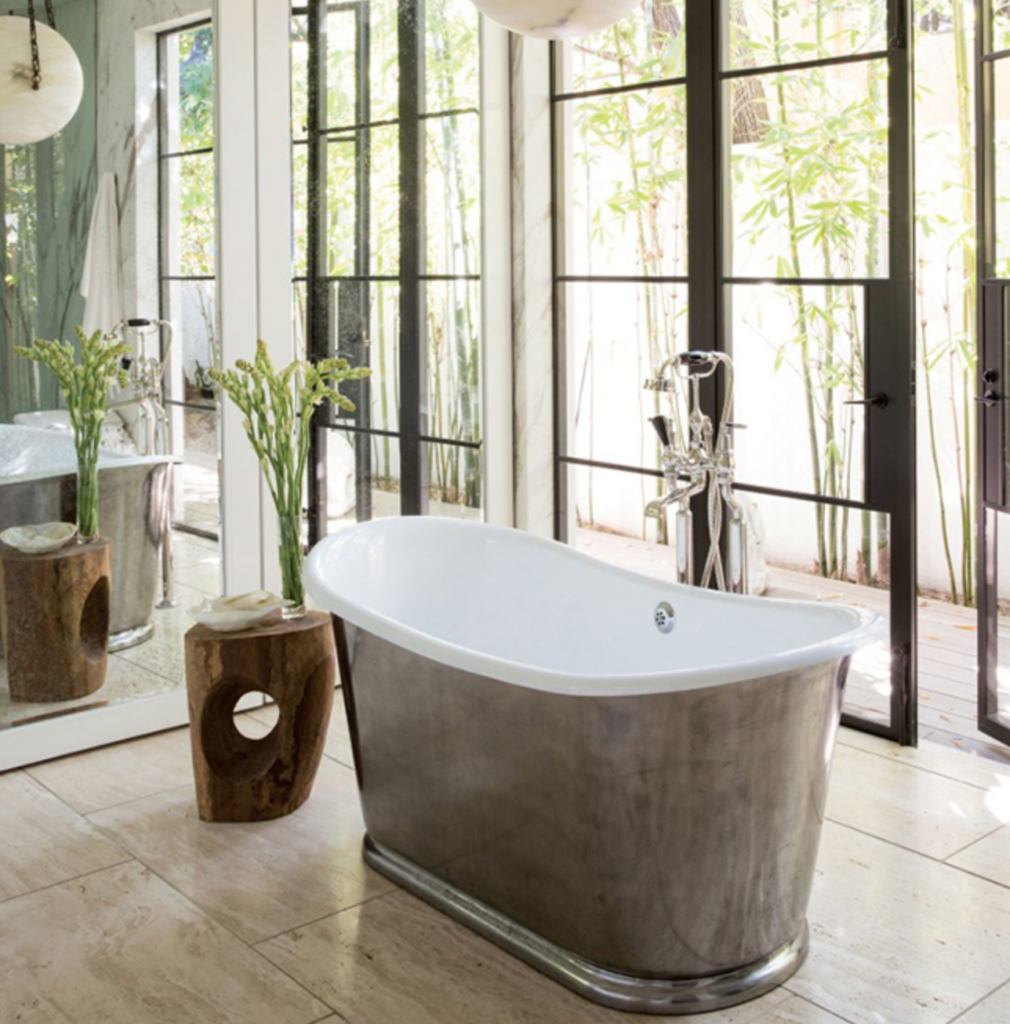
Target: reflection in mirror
[110, 225]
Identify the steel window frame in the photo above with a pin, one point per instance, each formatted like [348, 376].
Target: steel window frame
[165, 278]
[889, 310]
[992, 324]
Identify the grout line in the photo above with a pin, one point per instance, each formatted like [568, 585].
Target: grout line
[326, 917]
[919, 853]
[891, 759]
[978, 1002]
[974, 842]
[128, 859]
[897, 846]
[231, 931]
[818, 1006]
[133, 800]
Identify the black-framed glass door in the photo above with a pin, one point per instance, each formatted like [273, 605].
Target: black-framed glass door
[388, 195]
[738, 176]
[993, 127]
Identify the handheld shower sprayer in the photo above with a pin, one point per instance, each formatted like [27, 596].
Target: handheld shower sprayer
[700, 461]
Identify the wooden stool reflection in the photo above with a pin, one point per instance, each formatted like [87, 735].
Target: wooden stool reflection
[242, 779]
[54, 616]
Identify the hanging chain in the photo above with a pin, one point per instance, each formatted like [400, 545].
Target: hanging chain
[33, 32]
[51, 14]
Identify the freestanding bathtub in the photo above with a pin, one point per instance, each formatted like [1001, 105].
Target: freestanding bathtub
[618, 780]
[38, 484]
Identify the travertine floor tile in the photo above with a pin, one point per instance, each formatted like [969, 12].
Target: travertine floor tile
[42, 841]
[397, 959]
[122, 947]
[989, 857]
[258, 879]
[899, 937]
[969, 767]
[993, 1010]
[928, 813]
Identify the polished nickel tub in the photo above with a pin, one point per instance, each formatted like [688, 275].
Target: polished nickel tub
[631, 808]
[38, 484]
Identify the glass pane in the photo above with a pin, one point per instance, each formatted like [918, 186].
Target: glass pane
[620, 335]
[188, 98]
[798, 353]
[795, 540]
[808, 195]
[384, 78]
[646, 46]
[456, 481]
[1001, 163]
[299, 314]
[764, 33]
[454, 360]
[606, 519]
[191, 308]
[453, 195]
[338, 50]
[374, 154]
[300, 207]
[363, 477]
[627, 181]
[299, 76]
[452, 55]
[197, 495]
[1000, 25]
[369, 337]
[999, 707]
[188, 217]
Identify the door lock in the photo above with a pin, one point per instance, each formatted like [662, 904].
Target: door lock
[989, 398]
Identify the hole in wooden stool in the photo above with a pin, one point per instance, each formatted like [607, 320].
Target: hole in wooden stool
[252, 728]
[95, 621]
[230, 755]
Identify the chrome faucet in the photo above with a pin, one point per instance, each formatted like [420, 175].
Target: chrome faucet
[146, 371]
[701, 462]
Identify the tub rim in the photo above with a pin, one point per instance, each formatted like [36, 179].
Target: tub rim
[865, 626]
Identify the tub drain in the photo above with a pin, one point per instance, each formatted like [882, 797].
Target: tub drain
[666, 617]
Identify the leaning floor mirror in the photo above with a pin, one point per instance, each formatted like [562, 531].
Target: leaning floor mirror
[109, 433]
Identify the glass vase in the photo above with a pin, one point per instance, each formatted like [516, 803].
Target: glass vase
[87, 498]
[292, 560]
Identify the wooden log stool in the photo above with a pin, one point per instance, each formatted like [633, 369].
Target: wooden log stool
[242, 779]
[54, 617]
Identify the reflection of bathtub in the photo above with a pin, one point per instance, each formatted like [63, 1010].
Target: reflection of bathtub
[38, 484]
[620, 781]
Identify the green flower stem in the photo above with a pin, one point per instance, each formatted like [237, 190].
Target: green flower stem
[278, 407]
[85, 383]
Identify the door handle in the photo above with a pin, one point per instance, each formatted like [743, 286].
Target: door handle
[878, 401]
[989, 398]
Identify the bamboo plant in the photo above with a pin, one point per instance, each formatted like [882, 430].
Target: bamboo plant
[278, 406]
[85, 386]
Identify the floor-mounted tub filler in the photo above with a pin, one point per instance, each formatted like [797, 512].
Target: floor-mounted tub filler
[620, 781]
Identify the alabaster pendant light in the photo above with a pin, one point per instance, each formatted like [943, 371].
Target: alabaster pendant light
[556, 19]
[41, 80]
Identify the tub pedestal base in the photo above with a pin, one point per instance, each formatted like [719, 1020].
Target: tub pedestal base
[608, 988]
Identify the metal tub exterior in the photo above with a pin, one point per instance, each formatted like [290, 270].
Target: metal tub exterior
[663, 845]
[132, 513]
